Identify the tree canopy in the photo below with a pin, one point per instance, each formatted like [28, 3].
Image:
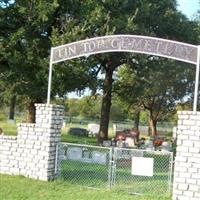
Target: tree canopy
[29, 28]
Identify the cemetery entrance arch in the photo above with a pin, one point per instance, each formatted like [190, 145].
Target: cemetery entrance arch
[128, 43]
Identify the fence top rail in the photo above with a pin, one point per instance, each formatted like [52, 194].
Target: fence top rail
[86, 145]
[118, 148]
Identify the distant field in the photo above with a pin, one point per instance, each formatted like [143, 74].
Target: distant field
[11, 129]
[20, 188]
[8, 128]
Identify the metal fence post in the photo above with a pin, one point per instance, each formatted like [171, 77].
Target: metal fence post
[114, 167]
[170, 171]
[56, 159]
[110, 168]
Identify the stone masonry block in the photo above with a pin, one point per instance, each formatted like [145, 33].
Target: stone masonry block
[182, 127]
[188, 143]
[181, 159]
[188, 131]
[195, 128]
[193, 170]
[197, 144]
[186, 164]
[197, 194]
[191, 181]
[182, 149]
[196, 165]
[181, 169]
[183, 187]
[194, 160]
[194, 117]
[183, 137]
[189, 122]
[29, 153]
[185, 174]
[194, 150]
[188, 193]
[194, 188]
[177, 192]
[196, 176]
[194, 137]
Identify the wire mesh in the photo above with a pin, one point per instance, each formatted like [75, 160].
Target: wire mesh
[85, 165]
[117, 168]
[141, 171]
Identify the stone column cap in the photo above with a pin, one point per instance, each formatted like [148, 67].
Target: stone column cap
[184, 112]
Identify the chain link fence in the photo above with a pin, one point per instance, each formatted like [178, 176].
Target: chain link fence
[136, 171]
[85, 165]
[140, 171]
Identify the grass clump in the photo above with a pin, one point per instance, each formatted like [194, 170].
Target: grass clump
[20, 188]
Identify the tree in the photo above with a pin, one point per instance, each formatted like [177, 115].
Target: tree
[89, 107]
[157, 87]
[118, 110]
[25, 47]
[108, 18]
[149, 18]
[73, 108]
[27, 30]
[99, 18]
[93, 16]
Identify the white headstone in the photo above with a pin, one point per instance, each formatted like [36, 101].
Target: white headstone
[129, 142]
[99, 157]
[93, 129]
[166, 147]
[74, 153]
[107, 143]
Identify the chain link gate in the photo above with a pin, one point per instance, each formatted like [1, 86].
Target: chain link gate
[141, 171]
[102, 167]
[85, 165]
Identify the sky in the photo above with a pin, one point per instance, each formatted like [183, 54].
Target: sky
[189, 7]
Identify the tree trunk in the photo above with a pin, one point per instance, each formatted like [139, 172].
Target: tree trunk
[153, 123]
[136, 124]
[105, 108]
[31, 112]
[149, 130]
[12, 107]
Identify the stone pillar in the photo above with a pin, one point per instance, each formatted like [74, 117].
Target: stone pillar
[32, 153]
[187, 161]
[49, 120]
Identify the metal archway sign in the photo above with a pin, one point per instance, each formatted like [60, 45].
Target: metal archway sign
[128, 43]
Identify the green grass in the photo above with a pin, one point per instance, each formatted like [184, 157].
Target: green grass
[8, 128]
[78, 140]
[65, 137]
[20, 188]
[87, 174]
[96, 175]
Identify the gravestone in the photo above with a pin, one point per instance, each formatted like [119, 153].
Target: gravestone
[74, 153]
[93, 129]
[99, 157]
